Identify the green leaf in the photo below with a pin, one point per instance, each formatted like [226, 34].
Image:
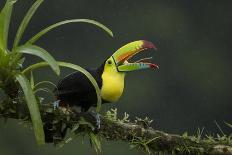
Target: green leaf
[220, 129]
[25, 22]
[5, 17]
[95, 141]
[44, 90]
[33, 108]
[229, 125]
[45, 82]
[38, 51]
[185, 135]
[32, 81]
[75, 67]
[46, 30]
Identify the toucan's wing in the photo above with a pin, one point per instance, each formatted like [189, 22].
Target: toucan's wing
[77, 83]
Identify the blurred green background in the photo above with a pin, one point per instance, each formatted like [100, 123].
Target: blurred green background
[191, 89]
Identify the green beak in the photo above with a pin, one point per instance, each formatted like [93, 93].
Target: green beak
[122, 55]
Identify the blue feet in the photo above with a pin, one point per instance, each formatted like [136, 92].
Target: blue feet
[56, 104]
[97, 119]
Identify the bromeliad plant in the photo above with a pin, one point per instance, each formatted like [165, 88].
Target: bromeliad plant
[12, 75]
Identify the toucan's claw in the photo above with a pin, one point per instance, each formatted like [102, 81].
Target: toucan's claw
[56, 104]
[96, 116]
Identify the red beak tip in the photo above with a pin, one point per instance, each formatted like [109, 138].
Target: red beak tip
[148, 44]
[154, 66]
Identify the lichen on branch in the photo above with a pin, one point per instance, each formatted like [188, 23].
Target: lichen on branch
[139, 134]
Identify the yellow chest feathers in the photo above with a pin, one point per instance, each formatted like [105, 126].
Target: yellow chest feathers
[112, 85]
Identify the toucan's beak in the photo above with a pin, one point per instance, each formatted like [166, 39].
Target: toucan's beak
[122, 56]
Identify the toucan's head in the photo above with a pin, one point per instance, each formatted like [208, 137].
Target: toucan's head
[119, 61]
[118, 64]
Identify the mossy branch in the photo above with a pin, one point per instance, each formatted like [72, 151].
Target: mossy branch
[138, 133]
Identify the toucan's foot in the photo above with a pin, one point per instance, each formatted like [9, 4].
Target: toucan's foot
[96, 116]
[56, 104]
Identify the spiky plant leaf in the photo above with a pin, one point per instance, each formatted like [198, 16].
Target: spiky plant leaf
[38, 51]
[43, 90]
[75, 67]
[229, 124]
[4, 58]
[219, 128]
[32, 82]
[33, 108]
[5, 17]
[45, 82]
[25, 22]
[46, 30]
[95, 141]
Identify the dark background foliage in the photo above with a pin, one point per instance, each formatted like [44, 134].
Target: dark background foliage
[191, 89]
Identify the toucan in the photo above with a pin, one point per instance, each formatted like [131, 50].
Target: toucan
[75, 90]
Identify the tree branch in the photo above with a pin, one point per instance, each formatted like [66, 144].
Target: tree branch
[139, 134]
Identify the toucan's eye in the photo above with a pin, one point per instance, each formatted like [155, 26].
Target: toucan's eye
[109, 62]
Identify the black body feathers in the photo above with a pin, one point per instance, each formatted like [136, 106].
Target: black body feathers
[76, 89]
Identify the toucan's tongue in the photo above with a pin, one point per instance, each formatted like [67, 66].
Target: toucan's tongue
[122, 55]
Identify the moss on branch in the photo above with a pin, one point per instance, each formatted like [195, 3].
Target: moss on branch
[138, 134]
